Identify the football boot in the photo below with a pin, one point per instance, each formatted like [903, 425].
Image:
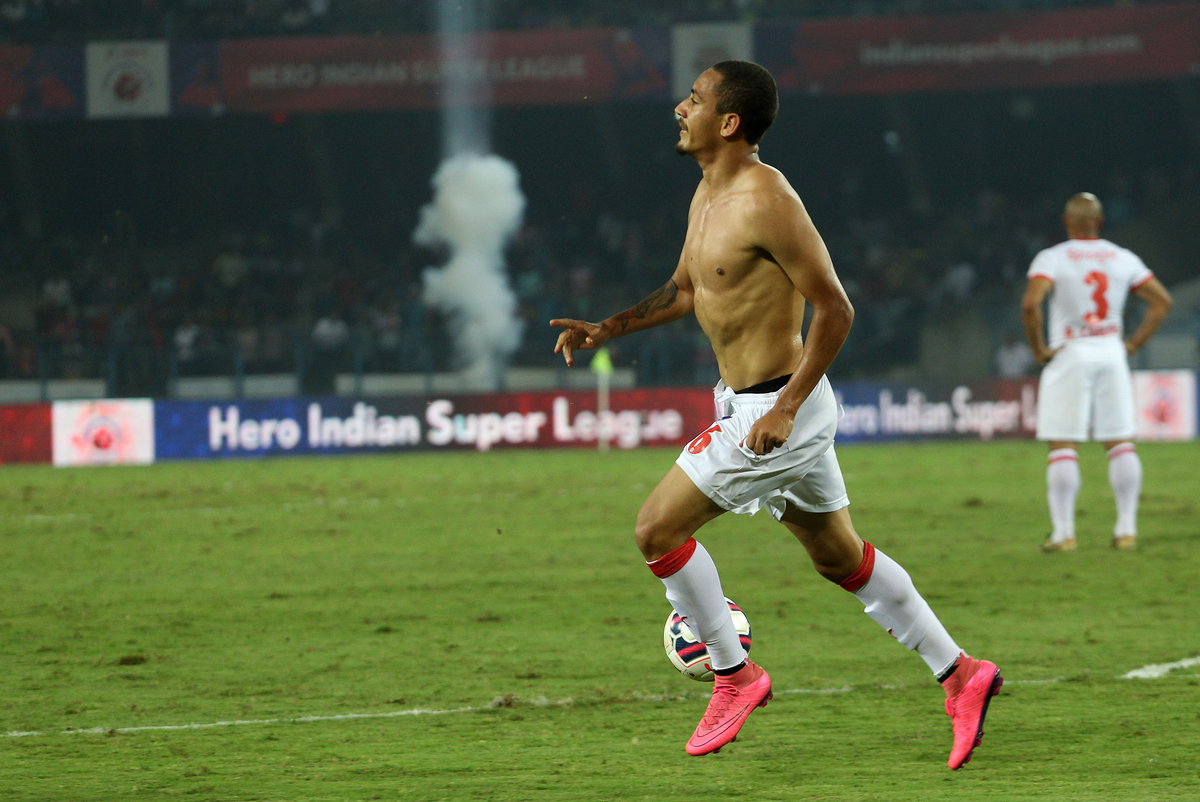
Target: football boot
[734, 698]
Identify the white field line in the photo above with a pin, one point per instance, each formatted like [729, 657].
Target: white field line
[316, 502]
[417, 711]
[499, 701]
[1146, 672]
[1153, 671]
[1160, 669]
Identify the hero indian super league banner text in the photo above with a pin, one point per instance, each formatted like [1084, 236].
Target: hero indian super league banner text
[873, 411]
[978, 51]
[141, 431]
[596, 65]
[202, 429]
[515, 68]
[1165, 402]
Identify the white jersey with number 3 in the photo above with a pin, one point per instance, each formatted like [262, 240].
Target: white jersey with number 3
[1085, 391]
[1092, 279]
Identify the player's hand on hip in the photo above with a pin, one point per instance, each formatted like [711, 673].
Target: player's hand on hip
[769, 432]
[578, 335]
[1044, 355]
[1130, 348]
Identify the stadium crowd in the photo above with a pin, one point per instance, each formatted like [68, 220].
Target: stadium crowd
[269, 300]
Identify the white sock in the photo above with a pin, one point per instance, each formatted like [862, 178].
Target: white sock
[694, 590]
[893, 602]
[1062, 486]
[1125, 476]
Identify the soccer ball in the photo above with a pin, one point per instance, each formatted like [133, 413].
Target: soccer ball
[688, 654]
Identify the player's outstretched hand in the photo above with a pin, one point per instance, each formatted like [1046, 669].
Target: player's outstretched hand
[578, 335]
[769, 432]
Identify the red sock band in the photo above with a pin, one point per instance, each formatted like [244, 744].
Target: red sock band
[856, 580]
[1124, 448]
[672, 561]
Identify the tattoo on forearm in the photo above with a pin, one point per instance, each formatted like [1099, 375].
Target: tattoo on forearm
[660, 299]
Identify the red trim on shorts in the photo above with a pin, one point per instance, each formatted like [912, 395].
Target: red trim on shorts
[1040, 275]
[1117, 451]
[862, 576]
[1142, 282]
[672, 561]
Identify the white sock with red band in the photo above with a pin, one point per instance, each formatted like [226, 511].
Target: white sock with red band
[1062, 486]
[893, 602]
[1125, 476]
[694, 590]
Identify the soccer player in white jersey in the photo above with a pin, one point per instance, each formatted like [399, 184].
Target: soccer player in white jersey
[1086, 391]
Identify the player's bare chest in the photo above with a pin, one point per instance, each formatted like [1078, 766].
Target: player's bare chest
[717, 247]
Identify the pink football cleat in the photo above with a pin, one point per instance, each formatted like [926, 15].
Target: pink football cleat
[968, 691]
[734, 698]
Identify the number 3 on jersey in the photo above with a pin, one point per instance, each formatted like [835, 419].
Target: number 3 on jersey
[1100, 280]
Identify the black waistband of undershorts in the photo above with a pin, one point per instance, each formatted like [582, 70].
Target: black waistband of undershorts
[769, 386]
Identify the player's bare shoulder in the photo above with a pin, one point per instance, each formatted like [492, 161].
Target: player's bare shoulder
[768, 199]
[772, 212]
[766, 187]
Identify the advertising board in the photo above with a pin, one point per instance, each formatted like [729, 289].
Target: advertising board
[1166, 404]
[141, 431]
[128, 79]
[509, 68]
[41, 83]
[25, 433]
[697, 46]
[884, 55]
[118, 431]
[202, 429]
[999, 408]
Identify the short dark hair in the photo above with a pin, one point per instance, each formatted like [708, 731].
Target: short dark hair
[747, 90]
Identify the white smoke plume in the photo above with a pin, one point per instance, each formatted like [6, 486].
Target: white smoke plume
[476, 209]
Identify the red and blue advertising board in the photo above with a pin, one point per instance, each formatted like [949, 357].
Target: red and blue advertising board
[132, 431]
[206, 429]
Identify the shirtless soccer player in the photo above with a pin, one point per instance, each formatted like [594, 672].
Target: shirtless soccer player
[1085, 390]
[750, 260]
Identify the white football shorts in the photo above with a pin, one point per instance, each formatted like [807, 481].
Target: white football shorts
[804, 470]
[1086, 392]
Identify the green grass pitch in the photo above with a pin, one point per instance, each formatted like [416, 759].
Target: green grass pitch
[506, 587]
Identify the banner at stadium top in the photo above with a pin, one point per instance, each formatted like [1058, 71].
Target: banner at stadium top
[41, 83]
[597, 65]
[518, 68]
[836, 56]
[980, 51]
